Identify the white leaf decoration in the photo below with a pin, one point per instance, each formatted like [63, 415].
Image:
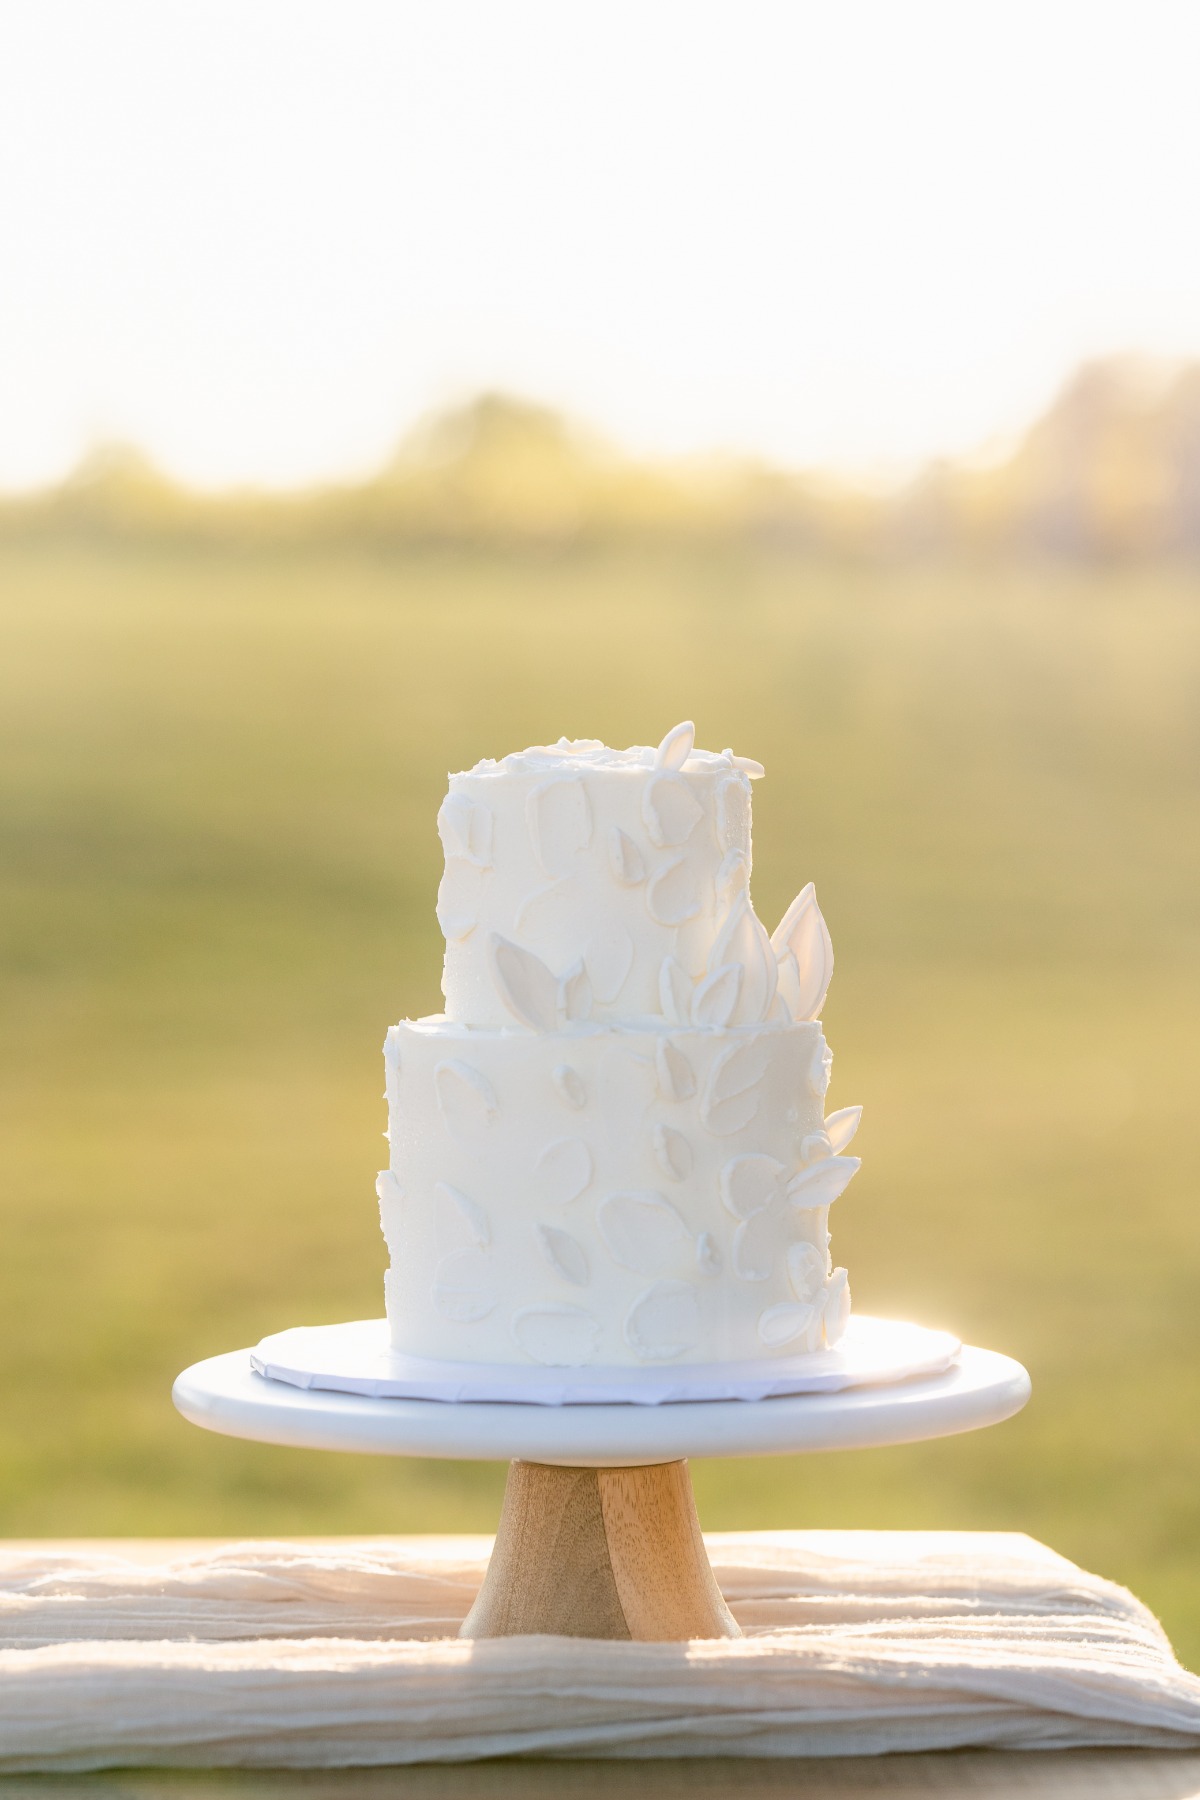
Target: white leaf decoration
[569, 1086]
[624, 858]
[841, 1126]
[544, 905]
[743, 940]
[733, 814]
[748, 1183]
[670, 810]
[524, 983]
[820, 1067]
[466, 1099]
[815, 1147]
[673, 1152]
[709, 1260]
[837, 1305]
[803, 934]
[559, 815]
[460, 893]
[565, 1254]
[558, 1336]
[676, 747]
[806, 1272]
[664, 1322]
[823, 1182]
[469, 1212]
[574, 998]
[753, 770]
[783, 1324]
[675, 991]
[465, 828]
[673, 894]
[715, 1000]
[730, 1098]
[462, 1288]
[643, 1232]
[609, 958]
[676, 1079]
[562, 1171]
[733, 877]
[391, 1199]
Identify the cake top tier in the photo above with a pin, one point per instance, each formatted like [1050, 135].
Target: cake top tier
[588, 883]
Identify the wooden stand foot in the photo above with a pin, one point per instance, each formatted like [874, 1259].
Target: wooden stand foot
[603, 1553]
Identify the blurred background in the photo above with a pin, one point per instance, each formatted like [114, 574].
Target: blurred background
[387, 386]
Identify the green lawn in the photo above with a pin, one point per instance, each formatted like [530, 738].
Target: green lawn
[218, 782]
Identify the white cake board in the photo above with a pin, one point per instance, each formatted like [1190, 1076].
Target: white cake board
[358, 1358]
[226, 1395]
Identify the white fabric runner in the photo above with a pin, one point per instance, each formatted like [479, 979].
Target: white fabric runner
[321, 1654]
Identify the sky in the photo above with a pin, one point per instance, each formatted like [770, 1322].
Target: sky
[260, 239]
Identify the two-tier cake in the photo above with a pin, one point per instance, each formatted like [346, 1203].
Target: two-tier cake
[611, 1150]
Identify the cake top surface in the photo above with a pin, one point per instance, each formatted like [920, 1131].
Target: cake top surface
[677, 753]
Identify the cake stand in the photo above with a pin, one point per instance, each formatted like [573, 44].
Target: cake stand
[598, 1534]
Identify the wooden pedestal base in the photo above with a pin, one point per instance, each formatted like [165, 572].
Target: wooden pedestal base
[603, 1553]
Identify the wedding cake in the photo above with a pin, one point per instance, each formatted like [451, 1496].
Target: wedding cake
[611, 1149]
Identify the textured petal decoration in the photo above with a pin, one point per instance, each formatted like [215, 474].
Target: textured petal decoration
[758, 1246]
[462, 1287]
[676, 1078]
[676, 747]
[733, 877]
[837, 1305]
[673, 894]
[624, 858]
[544, 906]
[565, 1254]
[709, 1260]
[819, 1068]
[574, 999]
[461, 1208]
[787, 984]
[465, 828]
[733, 814]
[460, 893]
[391, 1201]
[783, 1324]
[730, 1098]
[715, 1000]
[562, 1171]
[841, 1127]
[675, 991]
[466, 1099]
[806, 1272]
[815, 1147]
[664, 1322]
[750, 1182]
[569, 1086]
[670, 809]
[609, 958]
[559, 815]
[748, 766]
[562, 1337]
[803, 933]
[822, 1182]
[673, 1152]
[743, 940]
[524, 983]
[643, 1232]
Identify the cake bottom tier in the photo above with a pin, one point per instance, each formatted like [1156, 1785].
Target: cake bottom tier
[610, 1196]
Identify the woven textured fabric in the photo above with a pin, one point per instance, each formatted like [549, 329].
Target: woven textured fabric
[326, 1654]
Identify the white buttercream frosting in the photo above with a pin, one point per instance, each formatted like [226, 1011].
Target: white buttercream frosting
[612, 1148]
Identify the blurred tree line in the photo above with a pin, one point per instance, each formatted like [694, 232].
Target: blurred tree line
[1111, 471]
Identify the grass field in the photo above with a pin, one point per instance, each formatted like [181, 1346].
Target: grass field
[217, 873]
